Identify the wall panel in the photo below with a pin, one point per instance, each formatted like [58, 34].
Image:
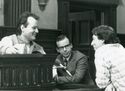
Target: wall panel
[13, 9]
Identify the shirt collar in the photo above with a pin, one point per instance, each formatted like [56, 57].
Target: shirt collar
[21, 41]
[68, 57]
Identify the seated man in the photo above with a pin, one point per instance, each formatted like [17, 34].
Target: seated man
[22, 41]
[70, 66]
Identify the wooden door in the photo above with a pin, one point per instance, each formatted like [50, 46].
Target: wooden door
[80, 26]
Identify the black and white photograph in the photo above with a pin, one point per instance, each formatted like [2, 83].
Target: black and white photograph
[62, 45]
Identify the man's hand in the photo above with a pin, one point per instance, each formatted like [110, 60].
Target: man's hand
[16, 49]
[54, 71]
[11, 50]
[55, 75]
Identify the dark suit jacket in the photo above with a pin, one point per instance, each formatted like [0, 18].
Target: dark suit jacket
[77, 66]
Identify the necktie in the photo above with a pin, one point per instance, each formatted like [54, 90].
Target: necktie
[25, 49]
[65, 62]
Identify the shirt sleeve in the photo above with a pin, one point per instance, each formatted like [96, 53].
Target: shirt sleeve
[102, 65]
[4, 44]
[81, 68]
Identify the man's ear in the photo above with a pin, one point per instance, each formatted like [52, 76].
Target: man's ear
[71, 45]
[57, 50]
[103, 41]
[22, 28]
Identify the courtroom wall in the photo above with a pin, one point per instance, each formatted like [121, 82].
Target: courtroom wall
[121, 17]
[1, 13]
[48, 17]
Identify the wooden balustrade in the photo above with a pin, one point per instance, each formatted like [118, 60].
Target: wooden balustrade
[25, 71]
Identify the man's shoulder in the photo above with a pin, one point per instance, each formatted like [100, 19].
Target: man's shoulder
[78, 54]
[59, 56]
[9, 38]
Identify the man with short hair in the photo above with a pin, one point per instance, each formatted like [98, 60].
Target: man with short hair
[70, 66]
[23, 41]
[109, 59]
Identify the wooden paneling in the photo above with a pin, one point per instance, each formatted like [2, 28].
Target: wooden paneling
[63, 9]
[122, 38]
[47, 38]
[103, 2]
[13, 9]
[81, 24]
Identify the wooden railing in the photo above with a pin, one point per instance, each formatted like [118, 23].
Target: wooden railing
[25, 71]
[33, 72]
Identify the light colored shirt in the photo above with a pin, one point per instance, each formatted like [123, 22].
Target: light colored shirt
[23, 48]
[110, 66]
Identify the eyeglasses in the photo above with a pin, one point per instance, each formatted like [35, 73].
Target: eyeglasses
[62, 47]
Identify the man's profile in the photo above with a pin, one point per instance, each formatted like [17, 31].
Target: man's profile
[22, 42]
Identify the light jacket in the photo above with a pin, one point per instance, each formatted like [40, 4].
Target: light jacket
[110, 66]
[13, 41]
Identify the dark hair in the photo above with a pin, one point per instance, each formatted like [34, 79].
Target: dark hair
[106, 33]
[23, 20]
[61, 37]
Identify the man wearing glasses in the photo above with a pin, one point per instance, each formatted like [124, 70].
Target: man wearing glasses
[70, 66]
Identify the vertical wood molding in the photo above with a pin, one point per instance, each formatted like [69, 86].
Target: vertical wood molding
[13, 9]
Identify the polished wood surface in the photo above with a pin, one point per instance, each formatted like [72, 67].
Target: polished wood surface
[26, 71]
